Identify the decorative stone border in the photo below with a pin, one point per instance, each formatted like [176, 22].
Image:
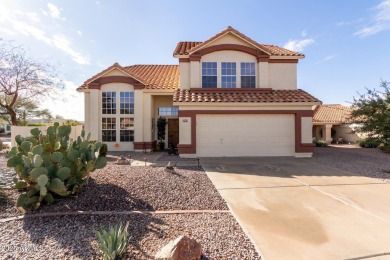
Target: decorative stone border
[75, 213]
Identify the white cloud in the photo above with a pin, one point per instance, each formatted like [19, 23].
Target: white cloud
[379, 23]
[70, 105]
[16, 22]
[298, 45]
[54, 11]
[79, 33]
[304, 33]
[62, 43]
[327, 58]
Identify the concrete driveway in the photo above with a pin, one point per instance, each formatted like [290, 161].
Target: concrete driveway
[297, 209]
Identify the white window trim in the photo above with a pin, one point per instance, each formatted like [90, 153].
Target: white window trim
[238, 73]
[117, 116]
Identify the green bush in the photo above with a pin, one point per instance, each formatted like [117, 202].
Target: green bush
[103, 150]
[52, 165]
[36, 124]
[113, 242]
[385, 148]
[369, 142]
[320, 143]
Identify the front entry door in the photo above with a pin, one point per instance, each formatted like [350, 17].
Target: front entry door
[173, 132]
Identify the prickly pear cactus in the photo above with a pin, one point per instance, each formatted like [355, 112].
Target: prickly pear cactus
[52, 165]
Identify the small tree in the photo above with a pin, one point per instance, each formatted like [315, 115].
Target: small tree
[22, 77]
[161, 122]
[371, 113]
[25, 110]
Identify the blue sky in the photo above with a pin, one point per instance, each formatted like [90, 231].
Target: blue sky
[346, 43]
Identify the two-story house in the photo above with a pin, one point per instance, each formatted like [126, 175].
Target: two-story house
[229, 96]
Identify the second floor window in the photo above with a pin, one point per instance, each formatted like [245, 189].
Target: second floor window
[228, 75]
[209, 75]
[108, 102]
[127, 102]
[248, 75]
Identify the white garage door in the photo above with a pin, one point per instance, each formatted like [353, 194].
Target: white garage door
[244, 135]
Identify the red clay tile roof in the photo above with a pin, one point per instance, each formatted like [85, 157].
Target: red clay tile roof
[331, 114]
[152, 76]
[157, 76]
[184, 48]
[243, 96]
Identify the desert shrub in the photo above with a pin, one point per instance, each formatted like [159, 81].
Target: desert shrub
[3, 198]
[103, 150]
[71, 122]
[320, 143]
[385, 148]
[113, 242]
[52, 165]
[36, 124]
[369, 142]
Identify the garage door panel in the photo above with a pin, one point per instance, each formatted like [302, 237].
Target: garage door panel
[245, 135]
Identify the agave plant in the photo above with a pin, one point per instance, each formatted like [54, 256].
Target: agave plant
[113, 241]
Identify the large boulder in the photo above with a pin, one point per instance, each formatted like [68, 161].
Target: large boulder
[182, 248]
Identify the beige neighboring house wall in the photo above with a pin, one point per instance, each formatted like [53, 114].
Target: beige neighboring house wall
[24, 131]
[333, 117]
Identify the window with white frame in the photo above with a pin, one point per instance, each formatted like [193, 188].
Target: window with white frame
[228, 75]
[248, 75]
[209, 75]
[127, 103]
[126, 129]
[168, 111]
[109, 129]
[108, 102]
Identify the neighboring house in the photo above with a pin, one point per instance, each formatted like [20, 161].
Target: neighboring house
[229, 96]
[330, 123]
[6, 126]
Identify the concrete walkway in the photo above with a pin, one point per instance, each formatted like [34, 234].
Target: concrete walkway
[297, 209]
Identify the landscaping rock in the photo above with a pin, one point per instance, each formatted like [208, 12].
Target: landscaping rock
[169, 168]
[182, 248]
[123, 161]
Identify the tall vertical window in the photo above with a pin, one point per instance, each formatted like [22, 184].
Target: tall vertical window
[109, 102]
[228, 75]
[248, 75]
[127, 102]
[109, 129]
[209, 74]
[127, 129]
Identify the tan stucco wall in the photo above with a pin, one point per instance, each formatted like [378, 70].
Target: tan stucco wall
[86, 112]
[184, 75]
[138, 116]
[147, 117]
[344, 131]
[306, 130]
[195, 72]
[114, 72]
[94, 113]
[185, 130]
[229, 39]
[263, 72]
[282, 75]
